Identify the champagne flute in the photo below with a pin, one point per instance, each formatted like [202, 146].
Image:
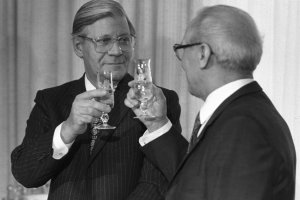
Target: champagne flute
[105, 81]
[143, 86]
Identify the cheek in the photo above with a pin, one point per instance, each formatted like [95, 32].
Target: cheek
[191, 75]
[128, 56]
[92, 63]
[127, 59]
[93, 58]
[192, 84]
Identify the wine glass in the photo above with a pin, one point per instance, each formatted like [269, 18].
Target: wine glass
[143, 86]
[105, 81]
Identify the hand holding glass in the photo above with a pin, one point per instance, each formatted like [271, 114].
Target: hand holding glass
[143, 86]
[105, 81]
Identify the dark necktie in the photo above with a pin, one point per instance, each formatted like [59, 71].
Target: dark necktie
[194, 136]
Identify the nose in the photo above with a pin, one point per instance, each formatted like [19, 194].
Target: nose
[115, 49]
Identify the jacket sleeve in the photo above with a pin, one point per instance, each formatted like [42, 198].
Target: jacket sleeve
[167, 151]
[153, 183]
[32, 162]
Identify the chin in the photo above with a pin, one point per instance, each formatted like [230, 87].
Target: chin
[118, 75]
[191, 92]
[118, 71]
[195, 93]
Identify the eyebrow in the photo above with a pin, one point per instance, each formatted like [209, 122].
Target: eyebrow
[107, 35]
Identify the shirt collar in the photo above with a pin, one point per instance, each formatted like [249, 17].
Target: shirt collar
[218, 96]
[88, 84]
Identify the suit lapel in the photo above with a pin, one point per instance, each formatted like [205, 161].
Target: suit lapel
[77, 87]
[115, 117]
[247, 89]
[119, 110]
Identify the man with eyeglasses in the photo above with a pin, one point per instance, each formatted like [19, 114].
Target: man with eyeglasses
[58, 140]
[240, 148]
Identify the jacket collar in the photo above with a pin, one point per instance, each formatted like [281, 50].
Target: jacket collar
[245, 90]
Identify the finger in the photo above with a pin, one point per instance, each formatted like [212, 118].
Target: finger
[86, 119]
[99, 106]
[89, 111]
[131, 94]
[92, 94]
[131, 83]
[132, 98]
[158, 93]
[89, 107]
[79, 120]
[129, 103]
[102, 105]
[93, 103]
[132, 103]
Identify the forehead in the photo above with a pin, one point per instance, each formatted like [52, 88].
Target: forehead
[188, 36]
[108, 26]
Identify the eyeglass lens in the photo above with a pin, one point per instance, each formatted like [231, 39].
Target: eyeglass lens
[179, 53]
[105, 44]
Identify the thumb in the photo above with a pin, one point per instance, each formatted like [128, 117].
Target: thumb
[158, 93]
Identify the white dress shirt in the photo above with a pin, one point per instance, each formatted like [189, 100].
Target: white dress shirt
[217, 97]
[148, 137]
[60, 149]
[213, 101]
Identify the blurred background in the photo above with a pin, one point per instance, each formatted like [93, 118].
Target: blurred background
[36, 53]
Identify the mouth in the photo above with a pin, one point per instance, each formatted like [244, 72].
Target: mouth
[116, 67]
[117, 63]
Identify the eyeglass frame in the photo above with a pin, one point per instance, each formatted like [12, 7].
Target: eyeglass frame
[114, 39]
[183, 46]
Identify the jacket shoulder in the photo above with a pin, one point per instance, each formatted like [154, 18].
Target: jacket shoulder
[63, 88]
[60, 94]
[169, 93]
[66, 88]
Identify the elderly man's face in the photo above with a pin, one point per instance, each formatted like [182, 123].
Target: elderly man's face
[115, 59]
[190, 64]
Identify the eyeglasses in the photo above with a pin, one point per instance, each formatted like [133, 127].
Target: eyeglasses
[104, 44]
[178, 48]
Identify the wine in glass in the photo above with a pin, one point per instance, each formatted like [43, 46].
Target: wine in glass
[105, 81]
[143, 86]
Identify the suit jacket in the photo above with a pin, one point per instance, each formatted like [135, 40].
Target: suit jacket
[245, 152]
[117, 168]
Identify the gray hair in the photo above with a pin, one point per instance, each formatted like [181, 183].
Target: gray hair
[94, 10]
[232, 35]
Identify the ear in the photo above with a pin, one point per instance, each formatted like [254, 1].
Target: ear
[133, 43]
[204, 55]
[77, 46]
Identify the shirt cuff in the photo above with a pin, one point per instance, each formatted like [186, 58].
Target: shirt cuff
[148, 137]
[60, 149]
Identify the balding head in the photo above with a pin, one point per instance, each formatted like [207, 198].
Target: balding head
[232, 35]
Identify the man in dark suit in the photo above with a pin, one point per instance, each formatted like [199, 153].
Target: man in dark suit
[57, 143]
[243, 150]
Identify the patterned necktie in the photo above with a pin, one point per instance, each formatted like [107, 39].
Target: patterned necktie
[94, 132]
[194, 136]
